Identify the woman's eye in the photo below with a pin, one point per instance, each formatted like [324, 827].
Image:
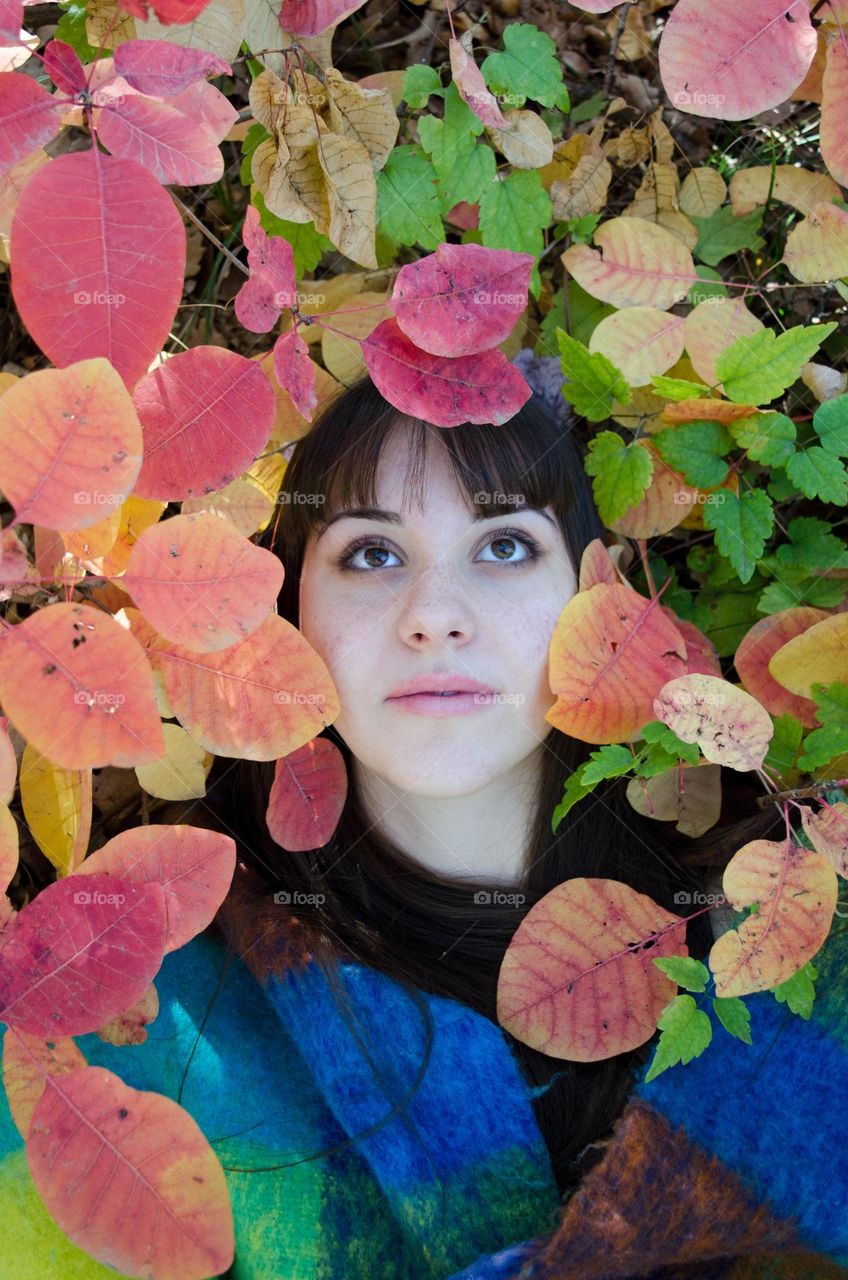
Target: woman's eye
[366, 549]
[503, 544]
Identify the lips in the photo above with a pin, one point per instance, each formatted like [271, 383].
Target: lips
[444, 685]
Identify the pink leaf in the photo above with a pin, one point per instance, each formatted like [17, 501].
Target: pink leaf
[207, 107]
[311, 17]
[129, 1176]
[462, 299]
[295, 371]
[468, 79]
[163, 69]
[272, 284]
[80, 953]
[193, 865]
[443, 391]
[307, 796]
[156, 135]
[29, 117]
[63, 66]
[11, 21]
[99, 260]
[169, 12]
[206, 415]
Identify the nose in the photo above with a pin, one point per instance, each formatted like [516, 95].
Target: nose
[435, 609]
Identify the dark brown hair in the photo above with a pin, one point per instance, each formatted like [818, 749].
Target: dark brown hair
[383, 908]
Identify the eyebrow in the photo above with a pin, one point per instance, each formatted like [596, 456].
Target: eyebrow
[394, 517]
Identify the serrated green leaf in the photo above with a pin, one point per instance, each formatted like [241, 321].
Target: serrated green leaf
[696, 449]
[734, 1015]
[609, 762]
[758, 367]
[799, 991]
[593, 380]
[408, 205]
[677, 388]
[513, 213]
[575, 790]
[819, 474]
[621, 474]
[686, 1032]
[823, 744]
[528, 67]
[831, 422]
[768, 437]
[686, 971]
[722, 234]
[741, 523]
[419, 81]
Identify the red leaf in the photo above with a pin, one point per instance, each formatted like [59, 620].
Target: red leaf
[311, 17]
[68, 965]
[462, 299]
[163, 69]
[29, 117]
[193, 865]
[129, 1177]
[115, 245]
[157, 136]
[445, 392]
[168, 12]
[206, 415]
[307, 796]
[11, 21]
[468, 79]
[272, 284]
[295, 371]
[63, 66]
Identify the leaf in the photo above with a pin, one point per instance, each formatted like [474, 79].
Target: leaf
[577, 979]
[29, 117]
[692, 802]
[462, 299]
[734, 1016]
[408, 209]
[445, 391]
[827, 831]
[78, 954]
[85, 424]
[723, 233]
[419, 81]
[766, 437]
[62, 64]
[796, 890]
[818, 474]
[121, 234]
[593, 381]
[831, 740]
[741, 526]
[528, 68]
[816, 248]
[757, 368]
[755, 651]
[272, 285]
[817, 655]
[167, 11]
[471, 85]
[621, 473]
[194, 866]
[665, 502]
[307, 796]
[641, 342]
[513, 212]
[57, 806]
[729, 63]
[74, 684]
[295, 371]
[130, 1027]
[206, 415]
[182, 771]
[830, 420]
[696, 450]
[635, 263]
[610, 654]
[799, 992]
[801, 188]
[352, 196]
[832, 138]
[702, 192]
[8, 847]
[686, 971]
[677, 388]
[27, 1061]
[711, 327]
[311, 17]
[366, 115]
[610, 762]
[163, 69]
[728, 724]
[130, 1178]
[686, 1032]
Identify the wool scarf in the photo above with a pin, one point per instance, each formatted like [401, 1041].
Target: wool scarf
[345, 1161]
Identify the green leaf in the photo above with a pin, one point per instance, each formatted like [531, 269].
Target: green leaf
[709, 285]
[686, 971]
[585, 314]
[256, 133]
[513, 212]
[758, 367]
[622, 473]
[819, 474]
[831, 422]
[799, 992]
[677, 388]
[71, 28]
[812, 546]
[768, 437]
[528, 68]
[824, 744]
[784, 744]
[593, 380]
[819, 593]
[589, 108]
[582, 229]
[741, 524]
[696, 449]
[469, 178]
[408, 199]
[721, 234]
[419, 82]
[575, 790]
[609, 762]
[308, 244]
[686, 1032]
[734, 1015]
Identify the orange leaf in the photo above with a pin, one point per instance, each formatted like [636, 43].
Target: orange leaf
[729, 726]
[130, 1027]
[755, 651]
[578, 980]
[709, 410]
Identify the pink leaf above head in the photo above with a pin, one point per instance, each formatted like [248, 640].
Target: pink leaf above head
[29, 117]
[446, 392]
[206, 415]
[62, 64]
[163, 69]
[311, 17]
[169, 12]
[462, 299]
[468, 79]
[129, 1176]
[80, 953]
[272, 284]
[99, 261]
[295, 371]
[307, 796]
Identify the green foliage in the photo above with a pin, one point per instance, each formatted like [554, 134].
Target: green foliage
[593, 380]
[408, 204]
[831, 739]
[419, 82]
[513, 213]
[696, 449]
[799, 991]
[721, 234]
[758, 367]
[741, 523]
[686, 1032]
[528, 68]
[621, 474]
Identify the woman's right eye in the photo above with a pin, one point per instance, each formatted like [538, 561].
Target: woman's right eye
[345, 560]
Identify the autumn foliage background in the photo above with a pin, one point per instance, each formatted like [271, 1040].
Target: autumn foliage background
[214, 215]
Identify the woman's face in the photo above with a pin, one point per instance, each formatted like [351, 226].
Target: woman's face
[436, 592]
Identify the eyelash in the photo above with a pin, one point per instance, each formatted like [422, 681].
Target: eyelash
[534, 550]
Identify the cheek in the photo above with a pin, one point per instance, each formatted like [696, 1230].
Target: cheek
[531, 636]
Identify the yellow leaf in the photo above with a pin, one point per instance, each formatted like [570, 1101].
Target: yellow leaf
[57, 806]
[182, 771]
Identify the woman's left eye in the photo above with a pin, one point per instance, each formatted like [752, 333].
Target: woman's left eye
[501, 541]
[498, 540]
